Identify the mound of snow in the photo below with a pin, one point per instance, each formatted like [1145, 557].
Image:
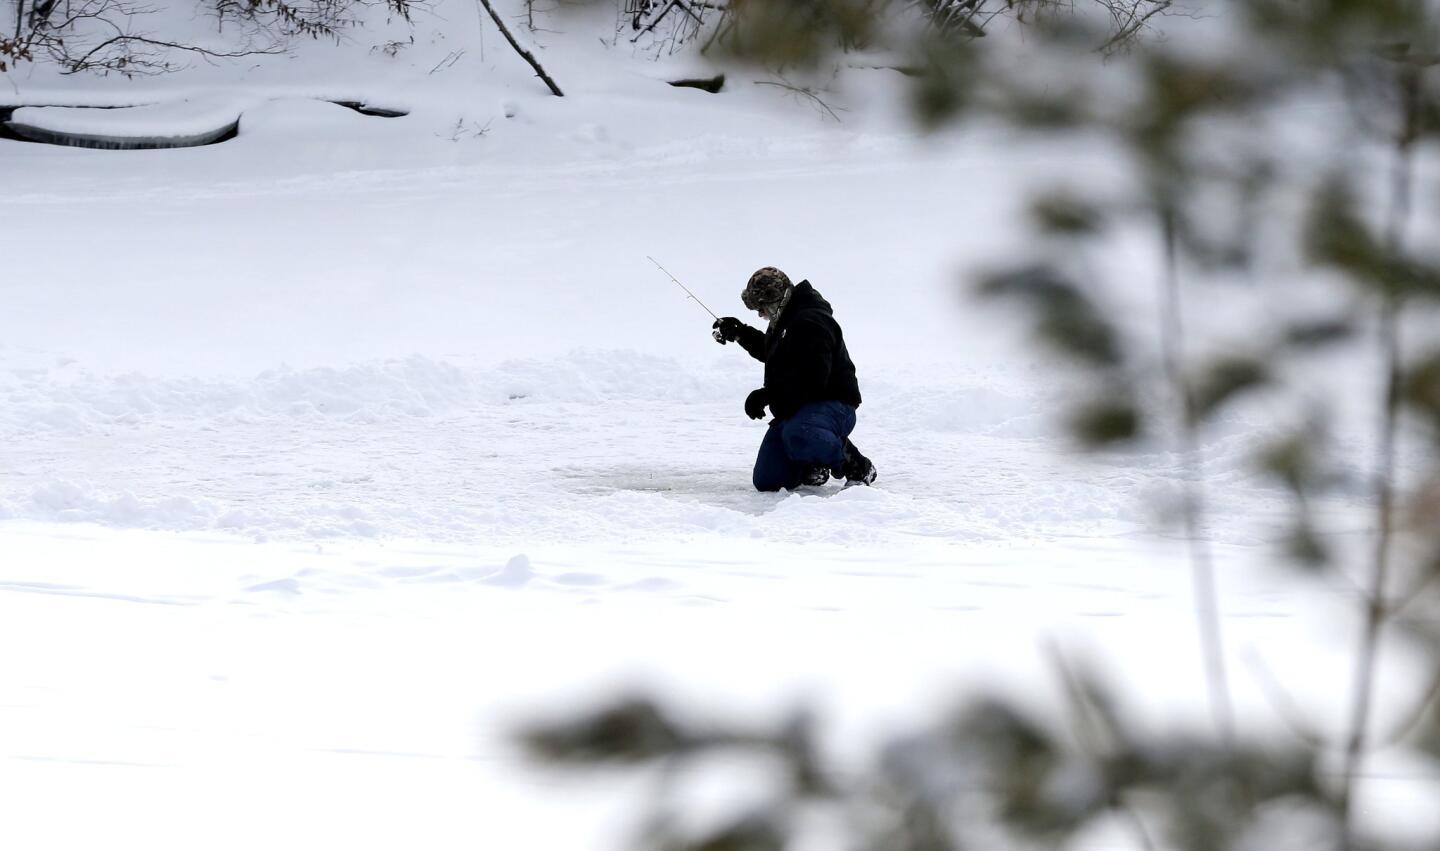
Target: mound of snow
[301, 118]
[515, 574]
[68, 502]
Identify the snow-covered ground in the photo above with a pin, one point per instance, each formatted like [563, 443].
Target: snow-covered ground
[331, 451]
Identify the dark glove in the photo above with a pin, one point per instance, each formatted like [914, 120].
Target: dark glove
[755, 404]
[727, 330]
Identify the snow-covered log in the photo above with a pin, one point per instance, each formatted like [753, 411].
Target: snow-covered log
[177, 124]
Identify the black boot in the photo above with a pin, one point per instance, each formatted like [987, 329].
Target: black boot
[815, 476]
[856, 468]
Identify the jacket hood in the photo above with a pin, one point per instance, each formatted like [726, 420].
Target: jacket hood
[805, 297]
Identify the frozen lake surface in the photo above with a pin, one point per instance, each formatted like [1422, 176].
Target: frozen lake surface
[333, 451]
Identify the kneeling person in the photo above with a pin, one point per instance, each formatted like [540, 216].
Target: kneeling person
[810, 385]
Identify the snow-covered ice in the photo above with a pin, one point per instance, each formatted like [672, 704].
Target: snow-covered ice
[332, 451]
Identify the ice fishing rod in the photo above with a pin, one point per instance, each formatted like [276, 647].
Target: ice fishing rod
[681, 286]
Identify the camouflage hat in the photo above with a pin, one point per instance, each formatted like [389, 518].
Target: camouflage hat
[766, 287]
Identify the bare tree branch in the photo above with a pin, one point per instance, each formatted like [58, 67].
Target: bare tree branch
[101, 36]
[1130, 20]
[86, 61]
[524, 54]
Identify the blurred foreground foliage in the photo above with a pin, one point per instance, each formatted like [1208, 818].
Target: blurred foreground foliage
[806, 34]
[1217, 185]
[990, 774]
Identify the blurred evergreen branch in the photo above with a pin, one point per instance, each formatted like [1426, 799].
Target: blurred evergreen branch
[1223, 200]
[989, 774]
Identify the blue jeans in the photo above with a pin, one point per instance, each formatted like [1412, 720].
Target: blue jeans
[813, 437]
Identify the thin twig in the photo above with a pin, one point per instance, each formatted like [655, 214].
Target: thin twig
[1412, 719]
[654, 21]
[83, 62]
[726, 25]
[1092, 729]
[1384, 481]
[1413, 592]
[1133, 22]
[1202, 570]
[1283, 704]
[804, 92]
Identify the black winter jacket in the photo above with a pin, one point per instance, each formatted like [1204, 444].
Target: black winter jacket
[804, 355]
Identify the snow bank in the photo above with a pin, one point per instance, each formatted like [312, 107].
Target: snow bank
[68, 400]
[70, 501]
[65, 501]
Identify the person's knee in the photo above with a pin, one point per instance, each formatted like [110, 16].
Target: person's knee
[810, 444]
[766, 481]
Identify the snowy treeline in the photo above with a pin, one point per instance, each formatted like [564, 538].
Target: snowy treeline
[132, 38]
